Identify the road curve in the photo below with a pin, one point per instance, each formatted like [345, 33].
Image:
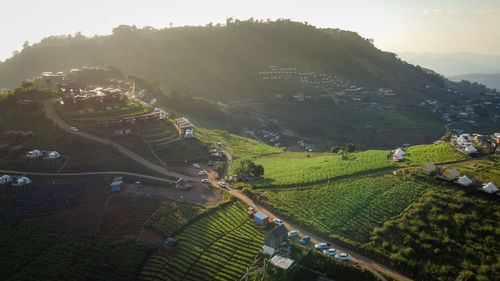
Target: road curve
[51, 112]
[89, 174]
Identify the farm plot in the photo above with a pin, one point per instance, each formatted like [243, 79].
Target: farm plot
[172, 216]
[157, 133]
[289, 169]
[43, 200]
[348, 209]
[219, 246]
[436, 153]
[29, 254]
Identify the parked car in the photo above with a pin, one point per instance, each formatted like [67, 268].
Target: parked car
[343, 257]
[202, 173]
[138, 184]
[293, 233]
[322, 246]
[305, 240]
[74, 129]
[331, 252]
[277, 221]
[196, 165]
[222, 184]
[205, 181]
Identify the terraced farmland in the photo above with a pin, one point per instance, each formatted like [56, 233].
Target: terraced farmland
[158, 133]
[349, 209]
[289, 168]
[219, 246]
[436, 153]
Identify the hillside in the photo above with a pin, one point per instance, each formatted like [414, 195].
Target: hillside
[490, 80]
[221, 61]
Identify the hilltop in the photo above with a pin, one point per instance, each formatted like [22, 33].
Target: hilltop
[222, 61]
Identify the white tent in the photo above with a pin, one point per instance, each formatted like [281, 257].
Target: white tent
[399, 151]
[54, 155]
[471, 149]
[464, 180]
[397, 157]
[490, 188]
[461, 140]
[23, 181]
[6, 179]
[34, 153]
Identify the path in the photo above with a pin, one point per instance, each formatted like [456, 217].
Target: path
[51, 112]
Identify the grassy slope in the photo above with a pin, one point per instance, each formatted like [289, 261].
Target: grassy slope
[349, 209]
[291, 168]
[446, 232]
[436, 153]
[485, 169]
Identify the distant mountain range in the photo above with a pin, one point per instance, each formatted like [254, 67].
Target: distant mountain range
[455, 64]
[490, 80]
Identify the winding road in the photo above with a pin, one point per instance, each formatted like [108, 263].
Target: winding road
[363, 261]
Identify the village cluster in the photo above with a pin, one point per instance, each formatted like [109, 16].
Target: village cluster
[307, 80]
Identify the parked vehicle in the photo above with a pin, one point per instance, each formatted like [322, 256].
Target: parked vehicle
[74, 129]
[202, 173]
[331, 252]
[222, 184]
[343, 257]
[138, 184]
[322, 246]
[277, 221]
[293, 233]
[305, 240]
[205, 181]
[196, 165]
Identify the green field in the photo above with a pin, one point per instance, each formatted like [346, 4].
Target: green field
[287, 169]
[172, 216]
[436, 153]
[348, 209]
[446, 232]
[28, 254]
[219, 246]
[241, 147]
[487, 169]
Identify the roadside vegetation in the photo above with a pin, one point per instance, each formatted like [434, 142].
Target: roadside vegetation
[447, 233]
[350, 209]
[294, 169]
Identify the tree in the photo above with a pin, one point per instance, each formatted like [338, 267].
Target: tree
[466, 275]
[27, 84]
[335, 149]
[447, 136]
[350, 147]
[247, 168]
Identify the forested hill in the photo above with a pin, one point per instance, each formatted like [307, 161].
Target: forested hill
[221, 61]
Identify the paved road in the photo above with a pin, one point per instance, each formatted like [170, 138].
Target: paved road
[52, 113]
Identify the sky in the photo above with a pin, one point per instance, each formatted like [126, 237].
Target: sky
[418, 26]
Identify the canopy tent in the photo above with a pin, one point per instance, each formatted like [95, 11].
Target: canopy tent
[490, 188]
[470, 149]
[464, 180]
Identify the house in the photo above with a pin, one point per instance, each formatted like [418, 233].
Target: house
[5, 179]
[490, 188]
[449, 174]
[117, 185]
[274, 238]
[189, 133]
[281, 262]
[464, 181]
[470, 149]
[261, 218]
[428, 168]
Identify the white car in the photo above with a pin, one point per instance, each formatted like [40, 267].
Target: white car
[277, 221]
[222, 184]
[343, 257]
[331, 252]
[196, 165]
[74, 129]
[293, 233]
[322, 246]
[202, 173]
[205, 181]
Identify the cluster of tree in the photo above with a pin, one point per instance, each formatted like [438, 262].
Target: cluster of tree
[248, 168]
[339, 149]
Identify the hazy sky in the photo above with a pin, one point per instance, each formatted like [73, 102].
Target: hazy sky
[438, 26]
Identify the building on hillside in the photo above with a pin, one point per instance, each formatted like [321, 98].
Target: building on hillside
[122, 132]
[189, 134]
[490, 188]
[281, 262]
[184, 124]
[116, 185]
[449, 174]
[274, 238]
[428, 168]
[261, 218]
[464, 181]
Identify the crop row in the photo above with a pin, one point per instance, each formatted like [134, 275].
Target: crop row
[218, 246]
